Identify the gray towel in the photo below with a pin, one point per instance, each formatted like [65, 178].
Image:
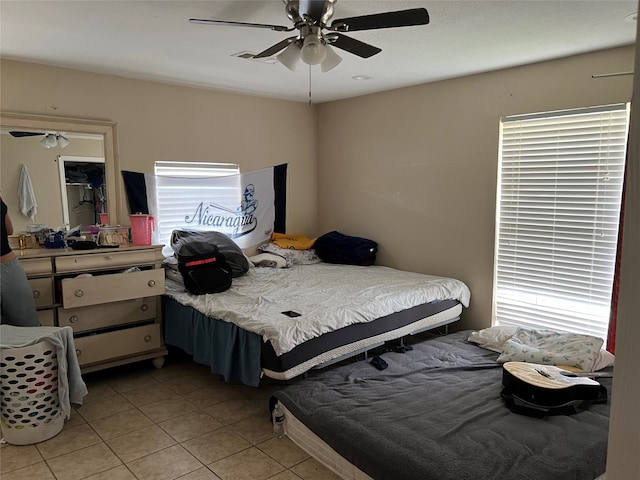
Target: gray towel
[71, 387]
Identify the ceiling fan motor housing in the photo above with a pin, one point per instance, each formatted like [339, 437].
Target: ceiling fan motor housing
[316, 12]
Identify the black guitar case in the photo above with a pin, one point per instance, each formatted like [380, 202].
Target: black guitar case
[527, 399]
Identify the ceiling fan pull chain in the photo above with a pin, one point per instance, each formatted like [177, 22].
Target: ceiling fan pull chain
[309, 84]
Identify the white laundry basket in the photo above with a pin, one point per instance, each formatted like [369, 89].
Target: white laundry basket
[30, 408]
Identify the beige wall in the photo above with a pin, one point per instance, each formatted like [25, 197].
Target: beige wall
[415, 169]
[156, 121]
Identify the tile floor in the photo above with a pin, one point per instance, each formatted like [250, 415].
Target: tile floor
[177, 422]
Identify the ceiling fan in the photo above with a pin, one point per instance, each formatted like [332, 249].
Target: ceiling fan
[50, 139]
[316, 35]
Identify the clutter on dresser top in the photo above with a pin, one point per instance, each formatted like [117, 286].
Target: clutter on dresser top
[79, 237]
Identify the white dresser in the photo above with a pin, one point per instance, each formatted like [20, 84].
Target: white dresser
[110, 297]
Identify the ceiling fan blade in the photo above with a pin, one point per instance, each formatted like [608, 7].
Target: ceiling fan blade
[275, 48]
[18, 134]
[277, 28]
[354, 46]
[400, 18]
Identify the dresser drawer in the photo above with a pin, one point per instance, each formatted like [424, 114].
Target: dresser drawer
[42, 291]
[108, 259]
[36, 266]
[99, 289]
[102, 316]
[46, 318]
[111, 345]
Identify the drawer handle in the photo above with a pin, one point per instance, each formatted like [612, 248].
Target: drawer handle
[144, 307]
[73, 319]
[151, 283]
[147, 338]
[78, 352]
[109, 257]
[79, 293]
[36, 293]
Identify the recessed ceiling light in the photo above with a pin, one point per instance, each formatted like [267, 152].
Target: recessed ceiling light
[361, 77]
[631, 18]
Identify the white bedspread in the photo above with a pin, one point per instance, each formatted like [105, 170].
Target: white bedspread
[327, 296]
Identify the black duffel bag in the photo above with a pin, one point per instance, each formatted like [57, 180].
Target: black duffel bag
[204, 268]
[335, 247]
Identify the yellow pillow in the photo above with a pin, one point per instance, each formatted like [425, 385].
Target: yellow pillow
[297, 242]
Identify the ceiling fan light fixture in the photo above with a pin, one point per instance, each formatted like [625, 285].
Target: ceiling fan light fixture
[290, 56]
[62, 140]
[332, 59]
[313, 51]
[49, 141]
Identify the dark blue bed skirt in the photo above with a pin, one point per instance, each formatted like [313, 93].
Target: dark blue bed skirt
[229, 350]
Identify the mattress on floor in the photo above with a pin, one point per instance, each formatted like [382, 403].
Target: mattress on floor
[436, 413]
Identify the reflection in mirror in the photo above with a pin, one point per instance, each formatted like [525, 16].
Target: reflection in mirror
[36, 150]
[83, 190]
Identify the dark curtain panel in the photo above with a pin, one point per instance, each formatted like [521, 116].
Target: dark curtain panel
[280, 189]
[136, 189]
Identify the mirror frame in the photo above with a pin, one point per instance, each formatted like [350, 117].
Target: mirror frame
[79, 125]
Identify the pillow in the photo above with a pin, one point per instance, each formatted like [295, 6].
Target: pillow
[292, 256]
[552, 348]
[268, 260]
[492, 338]
[605, 359]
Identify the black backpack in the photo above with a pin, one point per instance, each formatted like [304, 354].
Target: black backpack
[204, 269]
[232, 252]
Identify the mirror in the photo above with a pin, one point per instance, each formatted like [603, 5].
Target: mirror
[86, 138]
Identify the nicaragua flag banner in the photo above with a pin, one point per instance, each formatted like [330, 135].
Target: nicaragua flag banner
[243, 206]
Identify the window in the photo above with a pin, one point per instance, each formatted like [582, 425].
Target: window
[558, 208]
[172, 194]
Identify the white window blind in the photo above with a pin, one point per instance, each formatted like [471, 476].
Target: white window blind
[560, 186]
[170, 196]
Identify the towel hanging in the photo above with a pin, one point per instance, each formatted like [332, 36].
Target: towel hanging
[26, 195]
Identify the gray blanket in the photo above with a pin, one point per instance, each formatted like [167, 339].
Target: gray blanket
[436, 414]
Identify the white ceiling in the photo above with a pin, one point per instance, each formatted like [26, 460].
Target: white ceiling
[153, 40]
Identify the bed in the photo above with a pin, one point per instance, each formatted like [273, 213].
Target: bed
[334, 311]
[436, 413]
